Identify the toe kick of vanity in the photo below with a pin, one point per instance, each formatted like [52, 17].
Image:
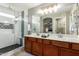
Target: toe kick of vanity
[46, 47]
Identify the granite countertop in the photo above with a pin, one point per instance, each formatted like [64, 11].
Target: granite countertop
[54, 37]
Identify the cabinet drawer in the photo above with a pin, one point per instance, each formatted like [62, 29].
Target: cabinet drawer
[45, 41]
[60, 44]
[28, 44]
[75, 46]
[32, 38]
[69, 52]
[39, 40]
[49, 50]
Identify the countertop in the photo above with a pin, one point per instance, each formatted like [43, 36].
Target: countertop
[55, 37]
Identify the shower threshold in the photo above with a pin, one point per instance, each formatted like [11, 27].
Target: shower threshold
[9, 48]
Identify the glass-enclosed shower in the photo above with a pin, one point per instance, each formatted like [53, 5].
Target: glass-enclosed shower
[12, 33]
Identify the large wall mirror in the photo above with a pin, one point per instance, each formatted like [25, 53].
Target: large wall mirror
[65, 20]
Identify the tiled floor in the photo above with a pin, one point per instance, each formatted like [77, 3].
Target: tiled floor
[17, 52]
[8, 48]
[22, 53]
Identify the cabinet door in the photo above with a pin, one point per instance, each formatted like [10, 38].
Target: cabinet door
[46, 41]
[50, 50]
[75, 46]
[68, 52]
[39, 40]
[27, 45]
[37, 48]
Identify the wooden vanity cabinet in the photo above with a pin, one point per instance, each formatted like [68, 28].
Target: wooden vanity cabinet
[27, 44]
[49, 50]
[32, 39]
[39, 40]
[75, 46]
[46, 47]
[37, 49]
[60, 43]
[69, 52]
[46, 41]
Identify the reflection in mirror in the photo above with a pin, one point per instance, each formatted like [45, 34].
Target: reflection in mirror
[60, 25]
[74, 25]
[74, 22]
[64, 20]
[47, 25]
[29, 29]
[35, 24]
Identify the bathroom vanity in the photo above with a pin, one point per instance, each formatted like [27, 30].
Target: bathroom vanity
[51, 46]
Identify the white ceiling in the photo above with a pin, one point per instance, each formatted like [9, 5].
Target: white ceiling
[10, 8]
[26, 5]
[19, 6]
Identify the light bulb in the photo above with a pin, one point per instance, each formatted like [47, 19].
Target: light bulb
[50, 9]
[58, 6]
[46, 11]
[41, 12]
[55, 8]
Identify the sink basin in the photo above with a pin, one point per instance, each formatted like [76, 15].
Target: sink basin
[45, 36]
[60, 36]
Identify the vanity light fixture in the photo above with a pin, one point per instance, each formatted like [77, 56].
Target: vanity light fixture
[49, 10]
[55, 8]
[6, 15]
